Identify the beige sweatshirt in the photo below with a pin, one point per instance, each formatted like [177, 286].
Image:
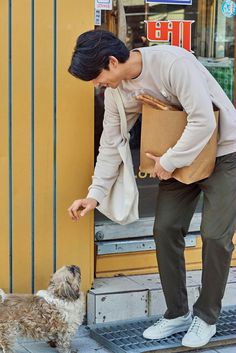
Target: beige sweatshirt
[175, 75]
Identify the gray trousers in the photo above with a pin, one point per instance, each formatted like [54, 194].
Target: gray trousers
[176, 204]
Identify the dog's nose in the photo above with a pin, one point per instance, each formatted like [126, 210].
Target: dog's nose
[73, 269]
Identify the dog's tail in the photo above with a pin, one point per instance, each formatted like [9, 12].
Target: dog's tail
[2, 296]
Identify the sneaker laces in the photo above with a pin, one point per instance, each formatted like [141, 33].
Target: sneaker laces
[161, 322]
[197, 325]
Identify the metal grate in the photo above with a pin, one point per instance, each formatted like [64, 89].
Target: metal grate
[126, 336]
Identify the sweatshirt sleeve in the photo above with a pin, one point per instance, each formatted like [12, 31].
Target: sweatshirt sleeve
[188, 84]
[108, 159]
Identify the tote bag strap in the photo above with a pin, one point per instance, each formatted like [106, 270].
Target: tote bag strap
[121, 110]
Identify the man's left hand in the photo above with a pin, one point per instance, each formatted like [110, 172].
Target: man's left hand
[158, 170]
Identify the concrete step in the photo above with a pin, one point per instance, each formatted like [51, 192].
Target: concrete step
[130, 297]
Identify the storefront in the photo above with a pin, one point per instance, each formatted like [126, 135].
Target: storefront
[209, 34]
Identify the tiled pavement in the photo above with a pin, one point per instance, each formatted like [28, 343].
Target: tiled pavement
[81, 343]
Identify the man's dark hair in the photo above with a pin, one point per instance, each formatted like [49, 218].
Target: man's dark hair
[92, 51]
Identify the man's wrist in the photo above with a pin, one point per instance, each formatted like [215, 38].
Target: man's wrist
[166, 164]
[96, 194]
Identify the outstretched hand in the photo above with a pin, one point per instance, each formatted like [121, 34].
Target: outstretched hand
[80, 207]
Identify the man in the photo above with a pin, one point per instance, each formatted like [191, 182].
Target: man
[175, 75]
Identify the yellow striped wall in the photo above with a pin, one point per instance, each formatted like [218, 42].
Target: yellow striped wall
[46, 142]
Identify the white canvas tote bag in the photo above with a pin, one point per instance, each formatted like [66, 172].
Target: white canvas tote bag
[121, 204]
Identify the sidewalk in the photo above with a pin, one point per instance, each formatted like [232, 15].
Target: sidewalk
[84, 344]
[81, 343]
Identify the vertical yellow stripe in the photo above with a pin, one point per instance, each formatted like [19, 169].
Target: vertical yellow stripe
[21, 132]
[4, 157]
[75, 135]
[43, 142]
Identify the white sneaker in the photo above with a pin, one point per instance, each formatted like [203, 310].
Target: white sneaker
[199, 333]
[167, 327]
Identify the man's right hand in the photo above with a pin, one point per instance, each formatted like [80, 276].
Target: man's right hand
[80, 207]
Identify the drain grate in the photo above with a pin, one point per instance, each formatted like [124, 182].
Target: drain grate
[126, 336]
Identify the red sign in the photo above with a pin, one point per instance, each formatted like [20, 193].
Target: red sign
[174, 32]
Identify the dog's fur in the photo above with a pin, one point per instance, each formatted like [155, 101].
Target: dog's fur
[51, 315]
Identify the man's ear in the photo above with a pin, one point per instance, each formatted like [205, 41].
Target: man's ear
[113, 62]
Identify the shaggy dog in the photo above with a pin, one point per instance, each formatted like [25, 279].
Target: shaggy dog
[51, 315]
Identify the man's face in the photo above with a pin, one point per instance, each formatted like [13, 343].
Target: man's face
[110, 78]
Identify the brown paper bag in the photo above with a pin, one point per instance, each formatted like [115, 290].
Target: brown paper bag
[160, 131]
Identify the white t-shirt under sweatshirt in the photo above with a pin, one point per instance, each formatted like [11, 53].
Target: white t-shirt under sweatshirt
[174, 75]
